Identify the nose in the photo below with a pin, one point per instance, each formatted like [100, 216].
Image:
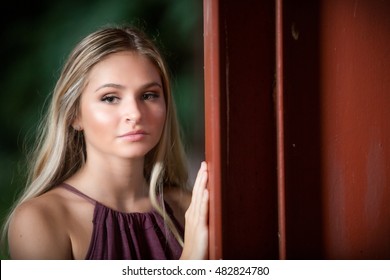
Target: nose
[132, 111]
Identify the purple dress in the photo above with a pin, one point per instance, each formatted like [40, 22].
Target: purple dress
[130, 236]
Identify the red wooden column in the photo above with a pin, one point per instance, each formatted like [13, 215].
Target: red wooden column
[355, 128]
[336, 93]
[279, 112]
[297, 128]
[302, 143]
[241, 128]
[213, 127]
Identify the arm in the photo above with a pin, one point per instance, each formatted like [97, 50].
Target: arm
[35, 232]
[196, 227]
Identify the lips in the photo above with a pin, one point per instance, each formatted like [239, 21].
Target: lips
[134, 135]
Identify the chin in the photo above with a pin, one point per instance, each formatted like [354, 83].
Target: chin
[134, 151]
[137, 154]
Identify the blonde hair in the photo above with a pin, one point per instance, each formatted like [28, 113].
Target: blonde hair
[60, 149]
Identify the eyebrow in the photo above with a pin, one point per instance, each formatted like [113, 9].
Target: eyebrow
[117, 86]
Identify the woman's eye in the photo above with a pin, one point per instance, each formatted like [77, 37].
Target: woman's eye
[110, 99]
[149, 96]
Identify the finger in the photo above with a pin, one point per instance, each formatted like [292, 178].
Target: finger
[200, 171]
[199, 200]
[198, 181]
[204, 207]
[202, 182]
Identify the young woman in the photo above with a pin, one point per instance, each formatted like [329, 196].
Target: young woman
[109, 178]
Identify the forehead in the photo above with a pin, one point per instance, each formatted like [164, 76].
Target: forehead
[124, 67]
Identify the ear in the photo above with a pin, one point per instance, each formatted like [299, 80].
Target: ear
[76, 124]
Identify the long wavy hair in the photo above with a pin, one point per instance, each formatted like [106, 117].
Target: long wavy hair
[60, 149]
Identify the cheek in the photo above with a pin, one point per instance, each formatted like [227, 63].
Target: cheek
[95, 120]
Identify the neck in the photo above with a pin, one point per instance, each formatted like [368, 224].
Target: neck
[115, 182]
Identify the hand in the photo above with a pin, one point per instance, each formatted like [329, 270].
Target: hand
[196, 227]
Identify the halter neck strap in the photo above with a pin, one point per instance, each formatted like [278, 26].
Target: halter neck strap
[77, 192]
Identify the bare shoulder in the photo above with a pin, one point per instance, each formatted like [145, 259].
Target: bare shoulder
[36, 231]
[179, 200]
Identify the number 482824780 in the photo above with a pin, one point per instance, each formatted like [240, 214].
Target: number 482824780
[253, 270]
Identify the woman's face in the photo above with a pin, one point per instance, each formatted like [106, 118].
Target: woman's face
[122, 110]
